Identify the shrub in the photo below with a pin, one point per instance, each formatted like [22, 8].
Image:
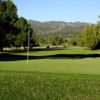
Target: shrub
[64, 45]
[48, 47]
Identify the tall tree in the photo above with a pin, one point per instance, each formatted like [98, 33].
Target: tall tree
[24, 27]
[8, 17]
[97, 35]
[90, 38]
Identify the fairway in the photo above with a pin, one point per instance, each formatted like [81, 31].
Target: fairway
[56, 60]
[70, 73]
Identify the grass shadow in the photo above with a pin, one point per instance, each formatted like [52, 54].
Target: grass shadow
[12, 57]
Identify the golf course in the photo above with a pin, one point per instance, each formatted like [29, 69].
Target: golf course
[71, 73]
[49, 50]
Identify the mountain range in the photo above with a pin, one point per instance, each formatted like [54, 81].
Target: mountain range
[59, 28]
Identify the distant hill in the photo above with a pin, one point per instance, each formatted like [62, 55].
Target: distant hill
[59, 28]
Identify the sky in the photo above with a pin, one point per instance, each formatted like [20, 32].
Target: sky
[59, 10]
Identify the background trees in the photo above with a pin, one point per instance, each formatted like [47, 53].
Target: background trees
[41, 40]
[55, 40]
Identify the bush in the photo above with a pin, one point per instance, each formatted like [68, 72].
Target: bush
[48, 47]
[64, 45]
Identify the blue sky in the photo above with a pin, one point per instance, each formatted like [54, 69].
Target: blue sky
[59, 10]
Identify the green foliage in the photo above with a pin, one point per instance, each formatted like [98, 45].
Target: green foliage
[64, 40]
[13, 30]
[18, 40]
[90, 38]
[98, 22]
[72, 41]
[41, 40]
[34, 40]
[24, 27]
[64, 45]
[8, 16]
[80, 39]
[55, 40]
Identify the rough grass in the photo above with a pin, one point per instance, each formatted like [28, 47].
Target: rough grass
[52, 74]
[44, 86]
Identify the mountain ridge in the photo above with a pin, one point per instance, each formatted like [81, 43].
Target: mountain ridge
[59, 28]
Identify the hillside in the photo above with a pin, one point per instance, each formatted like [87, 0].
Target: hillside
[59, 28]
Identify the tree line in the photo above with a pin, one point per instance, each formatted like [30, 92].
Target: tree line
[53, 40]
[13, 30]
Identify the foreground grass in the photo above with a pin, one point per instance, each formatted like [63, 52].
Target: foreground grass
[45, 86]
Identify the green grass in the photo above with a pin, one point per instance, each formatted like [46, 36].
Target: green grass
[71, 73]
[45, 86]
[46, 60]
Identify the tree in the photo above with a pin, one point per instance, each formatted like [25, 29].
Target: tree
[34, 40]
[8, 17]
[51, 40]
[80, 39]
[55, 40]
[24, 27]
[58, 40]
[98, 22]
[97, 35]
[18, 40]
[41, 40]
[71, 41]
[90, 38]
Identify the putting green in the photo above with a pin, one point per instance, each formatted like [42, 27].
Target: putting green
[80, 66]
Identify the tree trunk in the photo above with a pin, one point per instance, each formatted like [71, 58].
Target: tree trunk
[1, 48]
